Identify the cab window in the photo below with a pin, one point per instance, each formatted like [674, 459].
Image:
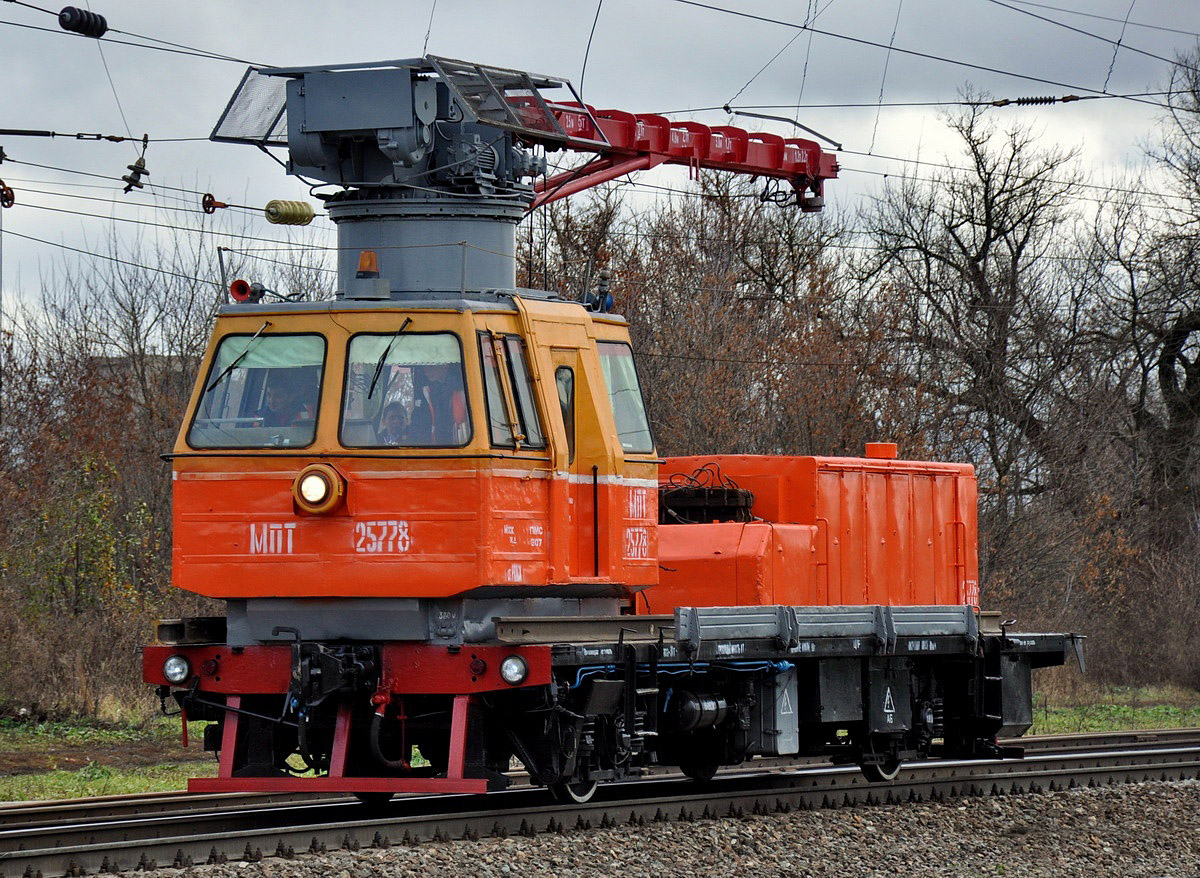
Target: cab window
[261, 391]
[405, 390]
[625, 394]
[504, 357]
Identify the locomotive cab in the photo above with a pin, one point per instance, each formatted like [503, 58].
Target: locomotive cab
[352, 470]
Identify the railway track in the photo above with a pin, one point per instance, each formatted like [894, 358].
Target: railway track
[127, 832]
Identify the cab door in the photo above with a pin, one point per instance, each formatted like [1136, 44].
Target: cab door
[585, 452]
[582, 472]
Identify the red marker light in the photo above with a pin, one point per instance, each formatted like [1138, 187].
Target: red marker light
[240, 290]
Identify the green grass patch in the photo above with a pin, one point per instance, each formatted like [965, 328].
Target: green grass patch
[1113, 709]
[101, 780]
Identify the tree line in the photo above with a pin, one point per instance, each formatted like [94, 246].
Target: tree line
[1003, 310]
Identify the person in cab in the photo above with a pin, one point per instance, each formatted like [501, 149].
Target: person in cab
[285, 402]
[439, 415]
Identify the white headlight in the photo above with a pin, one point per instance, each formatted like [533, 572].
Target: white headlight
[514, 670]
[176, 669]
[314, 488]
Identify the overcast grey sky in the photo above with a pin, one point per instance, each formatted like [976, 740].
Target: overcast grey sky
[646, 56]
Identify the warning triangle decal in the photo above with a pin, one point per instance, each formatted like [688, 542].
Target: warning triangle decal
[889, 706]
[785, 705]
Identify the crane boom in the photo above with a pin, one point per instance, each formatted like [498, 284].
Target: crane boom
[627, 142]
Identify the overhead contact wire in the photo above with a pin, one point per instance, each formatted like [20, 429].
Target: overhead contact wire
[913, 52]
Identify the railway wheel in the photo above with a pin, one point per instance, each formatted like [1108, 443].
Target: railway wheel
[374, 800]
[567, 792]
[884, 771]
[701, 770]
[880, 759]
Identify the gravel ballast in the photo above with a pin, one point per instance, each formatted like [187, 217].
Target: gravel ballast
[1149, 829]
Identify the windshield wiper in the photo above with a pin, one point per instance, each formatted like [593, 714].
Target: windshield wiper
[238, 358]
[383, 357]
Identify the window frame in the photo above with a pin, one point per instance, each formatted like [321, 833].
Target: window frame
[509, 391]
[208, 375]
[462, 364]
[600, 345]
[569, 428]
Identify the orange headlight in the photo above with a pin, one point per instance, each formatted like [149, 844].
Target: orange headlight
[318, 489]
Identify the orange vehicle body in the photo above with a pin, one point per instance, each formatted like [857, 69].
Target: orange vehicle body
[429, 523]
[830, 531]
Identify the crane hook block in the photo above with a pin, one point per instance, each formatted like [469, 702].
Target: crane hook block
[7, 198]
[289, 213]
[81, 21]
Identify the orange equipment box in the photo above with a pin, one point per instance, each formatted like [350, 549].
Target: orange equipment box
[833, 531]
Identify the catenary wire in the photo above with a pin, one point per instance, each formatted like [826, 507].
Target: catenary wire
[913, 52]
[889, 104]
[1116, 44]
[1173, 30]
[762, 69]
[149, 185]
[171, 226]
[429, 29]
[164, 48]
[110, 258]
[218, 56]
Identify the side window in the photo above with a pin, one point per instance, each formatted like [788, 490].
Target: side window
[564, 380]
[504, 361]
[405, 390]
[625, 394]
[261, 391]
[498, 424]
[518, 370]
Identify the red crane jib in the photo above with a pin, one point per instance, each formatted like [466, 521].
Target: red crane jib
[629, 142]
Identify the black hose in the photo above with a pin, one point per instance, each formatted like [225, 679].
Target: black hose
[376, 751]
[302, 743]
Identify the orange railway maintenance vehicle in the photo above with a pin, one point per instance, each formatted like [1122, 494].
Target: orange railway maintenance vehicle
[435, 513]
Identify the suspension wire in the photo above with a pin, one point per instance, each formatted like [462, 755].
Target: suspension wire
[883, 81]
[786, 46]
[588, 51]
[113, 86]
[429, 30]
[1117, 45]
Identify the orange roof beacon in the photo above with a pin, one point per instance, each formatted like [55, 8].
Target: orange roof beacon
[433, 508]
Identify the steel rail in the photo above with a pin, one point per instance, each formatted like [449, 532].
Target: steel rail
[102, 808]
[232, 828]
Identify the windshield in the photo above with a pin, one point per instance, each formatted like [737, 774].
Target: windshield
[625, 394]
[405, 390]
[260, 392]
